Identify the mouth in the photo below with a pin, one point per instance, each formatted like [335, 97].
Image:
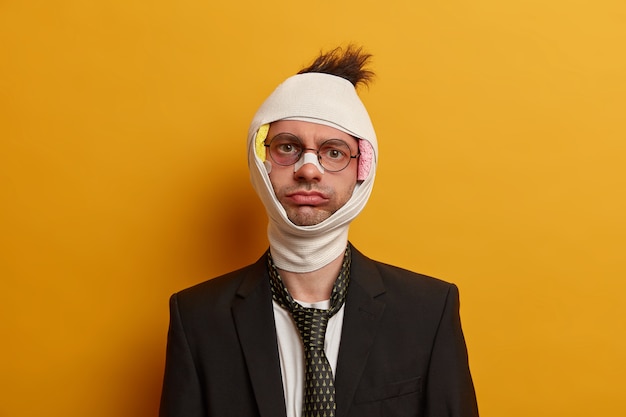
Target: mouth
[307, 198]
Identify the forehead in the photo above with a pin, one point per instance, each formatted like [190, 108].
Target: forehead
[310, 132]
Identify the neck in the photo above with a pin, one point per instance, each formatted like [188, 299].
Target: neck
[314, 286]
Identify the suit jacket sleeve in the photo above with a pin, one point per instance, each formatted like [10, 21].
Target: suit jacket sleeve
[449, 387]
[181, 395]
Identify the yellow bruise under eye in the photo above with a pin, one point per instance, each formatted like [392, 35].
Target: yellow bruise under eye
[259, 141]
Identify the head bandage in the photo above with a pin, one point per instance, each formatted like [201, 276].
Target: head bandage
[328, 100]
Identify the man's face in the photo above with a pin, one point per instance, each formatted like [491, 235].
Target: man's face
[308, 196]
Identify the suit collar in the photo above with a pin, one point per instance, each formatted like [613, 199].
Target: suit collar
[365, 274]
[254, 321]
[363, 310]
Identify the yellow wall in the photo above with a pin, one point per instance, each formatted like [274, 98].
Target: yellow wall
[123, 179]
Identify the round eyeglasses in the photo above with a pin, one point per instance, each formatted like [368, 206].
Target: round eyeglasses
[333, 154]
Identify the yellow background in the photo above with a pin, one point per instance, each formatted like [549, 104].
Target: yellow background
[123, 178]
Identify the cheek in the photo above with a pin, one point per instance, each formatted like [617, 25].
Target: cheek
[272, 176]
[348, 185]
[351, 178]
[279, 175]
[350, 190]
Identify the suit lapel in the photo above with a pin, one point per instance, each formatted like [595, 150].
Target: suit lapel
[361, 318]
[254, 320]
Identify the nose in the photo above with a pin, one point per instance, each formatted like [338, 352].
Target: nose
[308, 167]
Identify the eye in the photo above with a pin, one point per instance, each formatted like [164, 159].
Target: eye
[334, 150]
[335, 154]
[285, 145]
[285, 149]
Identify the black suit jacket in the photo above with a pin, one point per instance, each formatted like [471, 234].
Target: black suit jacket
[402, 350]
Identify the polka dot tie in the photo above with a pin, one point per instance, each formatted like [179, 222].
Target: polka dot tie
[319, 388]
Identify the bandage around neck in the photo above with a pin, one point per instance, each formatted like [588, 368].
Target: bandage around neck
[323, 99]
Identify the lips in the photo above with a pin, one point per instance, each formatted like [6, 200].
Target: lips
[307, 198]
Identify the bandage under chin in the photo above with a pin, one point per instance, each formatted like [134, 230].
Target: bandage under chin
[308, 158]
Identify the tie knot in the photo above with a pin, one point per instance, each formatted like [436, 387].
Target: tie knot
[281, 295]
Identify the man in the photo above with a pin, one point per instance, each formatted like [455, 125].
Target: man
[315, 328]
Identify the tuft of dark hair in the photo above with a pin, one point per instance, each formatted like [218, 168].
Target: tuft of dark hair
[350, 64]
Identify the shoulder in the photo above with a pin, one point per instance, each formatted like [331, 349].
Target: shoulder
[411, 288]
[221, 290]
[396, 281]
[402, 276]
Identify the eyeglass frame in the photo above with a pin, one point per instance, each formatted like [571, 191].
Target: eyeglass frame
[303, 149]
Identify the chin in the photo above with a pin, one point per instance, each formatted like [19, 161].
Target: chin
[307, 219]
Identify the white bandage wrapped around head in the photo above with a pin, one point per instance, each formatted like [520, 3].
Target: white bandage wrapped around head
[328, 100]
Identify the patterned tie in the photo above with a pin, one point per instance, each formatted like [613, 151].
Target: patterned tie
[319, 388]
